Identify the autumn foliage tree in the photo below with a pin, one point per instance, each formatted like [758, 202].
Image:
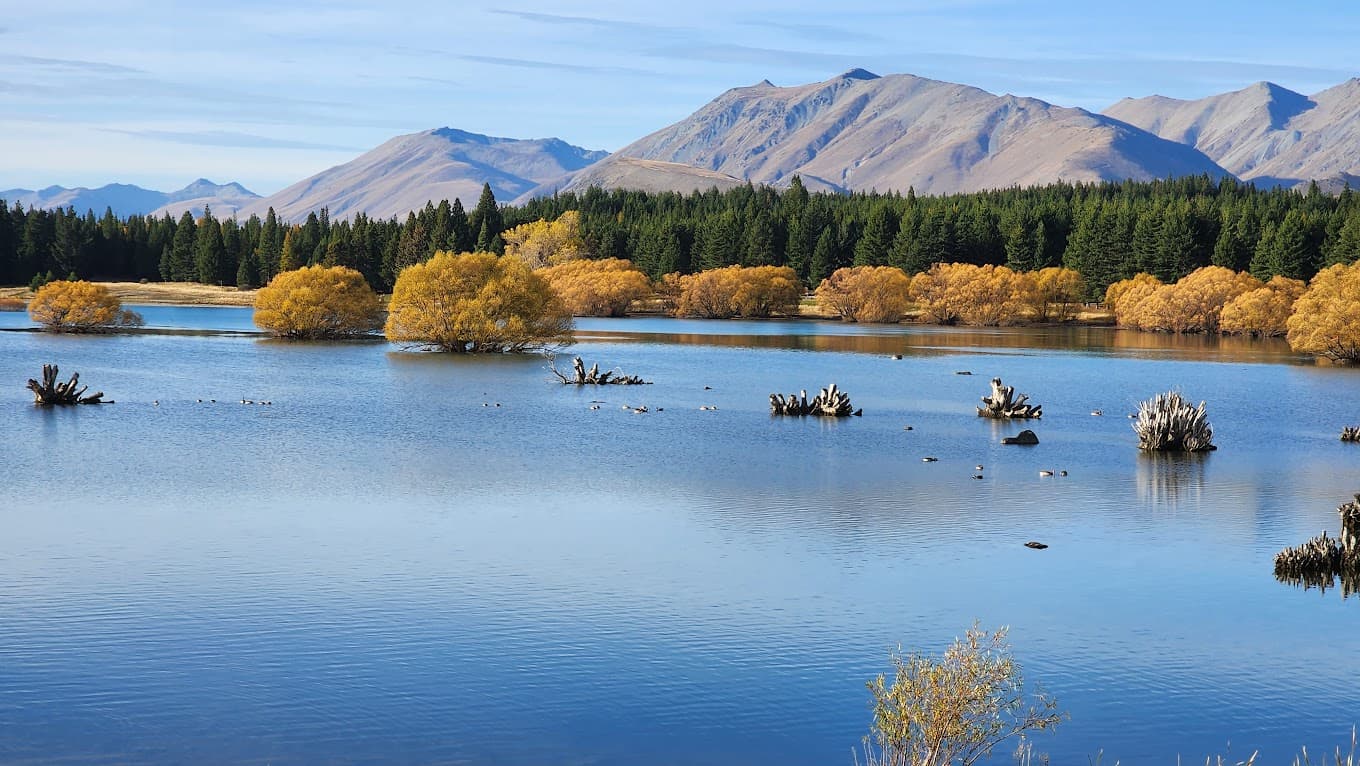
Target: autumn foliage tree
[547, 243]
[597, 288]
[1262, 312]
[866, 293]
[318, 302]
[1055, 293]
[963, 293]
[476, 302]
[1326, 318]
[747, 291]
[79, 307]
[1193, 304]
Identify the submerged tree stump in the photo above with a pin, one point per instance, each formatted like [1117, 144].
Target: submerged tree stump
[1319, 562]
[593, 377]
[1169, 423]
[830, 403]
[1351, 434]
[50, 392]
[1003, 403]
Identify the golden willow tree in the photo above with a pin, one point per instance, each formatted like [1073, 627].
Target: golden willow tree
[746, 291]
[476, 302]
[1263, 312]
[79, 307]
[547, 243]
[962, 293]
[866, 293]
[1193, 304]
[1055, 293]
[318, 302]
[1326, 319]
[597, 288]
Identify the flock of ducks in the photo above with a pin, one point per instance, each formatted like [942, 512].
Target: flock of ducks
[261, 402]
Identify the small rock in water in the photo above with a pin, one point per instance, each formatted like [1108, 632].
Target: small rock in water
[1024, 437]
[1035, 545]
[963, 372]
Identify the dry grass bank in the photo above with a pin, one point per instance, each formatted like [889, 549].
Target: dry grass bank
[178, 293]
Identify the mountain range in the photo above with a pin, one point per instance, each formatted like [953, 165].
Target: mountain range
[852, 133]
[126, 199]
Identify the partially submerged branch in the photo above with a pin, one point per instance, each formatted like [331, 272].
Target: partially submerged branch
[593, 377]
[1169, 423]
[1319, 562]
[1003, 403]
[830, 403]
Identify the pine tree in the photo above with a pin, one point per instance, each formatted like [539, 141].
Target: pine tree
[209, 252]
[486, 220]
[460, 237]
[181, 263]
[270, 248]
[289, 258]
[824, 255]
[247, 274]
[877, 237]
[758, 246]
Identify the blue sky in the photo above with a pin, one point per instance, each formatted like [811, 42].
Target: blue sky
[267, 93]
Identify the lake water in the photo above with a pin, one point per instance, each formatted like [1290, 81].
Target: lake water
[384, 565]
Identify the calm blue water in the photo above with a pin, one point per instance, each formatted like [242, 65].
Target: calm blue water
[384, 566]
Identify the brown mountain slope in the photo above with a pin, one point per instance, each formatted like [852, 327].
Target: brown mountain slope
[861, 132]
[1263, 132]
[406, 172]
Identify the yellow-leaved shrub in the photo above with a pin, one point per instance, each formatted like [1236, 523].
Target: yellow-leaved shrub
[79, 306]
[866, 293]
[1326, 319]
[1263, 312]
[318, 302]
[476, 302]
[546, 243]
[962, 293]
[747, 291]
[602, 288]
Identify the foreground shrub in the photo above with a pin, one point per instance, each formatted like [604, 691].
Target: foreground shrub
[963, 293]
[866, 293]
[476, 302]
[603, 288]
[747, 291]
[81, 306]
[318, 302]
[1263, 312]
[1326, 319]
[954, 709]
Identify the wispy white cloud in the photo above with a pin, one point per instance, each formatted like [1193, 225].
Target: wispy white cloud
[231, 138]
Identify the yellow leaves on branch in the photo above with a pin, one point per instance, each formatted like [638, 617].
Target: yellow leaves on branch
[318, 302]
[962, 293]
[1193, 304]
[1326, 319]
[476, 302]
[1263, 312]
[1055, 293]
[79, 307]
[543, 243]
[602, 288]
[866, 293]
[940, 711]
[747, 291]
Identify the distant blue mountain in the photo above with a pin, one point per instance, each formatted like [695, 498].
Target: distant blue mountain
[126, 199]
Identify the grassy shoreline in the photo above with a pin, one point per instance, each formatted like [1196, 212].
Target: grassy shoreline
[194, 294]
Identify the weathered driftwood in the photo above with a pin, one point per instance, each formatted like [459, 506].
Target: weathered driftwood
[1169, 423]
[1026, 437]
[1321, 561]
[593, 377]
[1003, 403]
[830, 403]
[50, 392]
[1350, 434]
